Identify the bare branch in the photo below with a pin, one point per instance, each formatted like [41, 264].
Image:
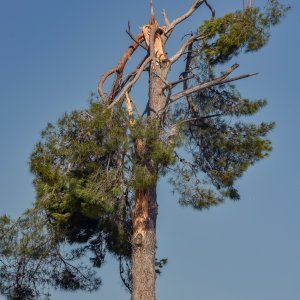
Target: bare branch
[136, 108]
[152, 12]
[123, 278]
[167, 21]
[217, 81]
[128, 31]
[238, 77]
[174, 83]
[188, 62]
[196, 119]
[208, 84]
[101, 83]
[213, 12]
[118, 69]
[132, 74]
[181, 50]
[128, 86]
[249, 4]
[183, 17]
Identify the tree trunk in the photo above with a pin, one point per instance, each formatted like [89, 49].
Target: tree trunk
[143, 244]
[144, 213]
[157, 83]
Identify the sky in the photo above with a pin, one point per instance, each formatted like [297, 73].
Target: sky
[52, 54]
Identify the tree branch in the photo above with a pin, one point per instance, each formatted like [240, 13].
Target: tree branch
[181, 50]
[128, 86]
[101, 83]
[220, 80]
[118, 69]
[213, 12]
[183, 17]
[196, 119]
[171, 85]
[167, 21]
[128, 31]
[132, 74]
[188, 62]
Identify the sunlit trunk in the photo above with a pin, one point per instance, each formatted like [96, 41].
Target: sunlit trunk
[143, 244]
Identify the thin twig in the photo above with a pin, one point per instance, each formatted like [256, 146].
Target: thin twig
[128, 31]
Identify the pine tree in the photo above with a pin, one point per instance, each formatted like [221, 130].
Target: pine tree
[96, 169]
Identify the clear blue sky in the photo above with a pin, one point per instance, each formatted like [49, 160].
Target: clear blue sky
[52, 54]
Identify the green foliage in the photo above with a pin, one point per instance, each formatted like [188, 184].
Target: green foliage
[217, 152]
[31, 260]
[78, 168]
[89, 165]
[219, 144]
[160, 264]
[157, 154]
[247, 30]
[86, 171]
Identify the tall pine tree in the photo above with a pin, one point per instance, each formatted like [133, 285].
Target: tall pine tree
[96, 170]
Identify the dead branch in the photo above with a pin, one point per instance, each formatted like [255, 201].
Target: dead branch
[136, 108]
[171, 85]
[129, 85]
[213, 12]
[152, 22]
[132, 74]
[129, 109]
[196, 119]
[119, 69]
[181, 50]
[101, 83]
[217, 81]
[128, 31]
[188, 63]
[249, 4]
[167, 21]
[183, 17]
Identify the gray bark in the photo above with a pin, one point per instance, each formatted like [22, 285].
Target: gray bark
[144, 244]
[145, 209]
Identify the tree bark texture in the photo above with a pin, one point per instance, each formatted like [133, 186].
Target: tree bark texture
[143, 244]
[145, 210]
[157, 83]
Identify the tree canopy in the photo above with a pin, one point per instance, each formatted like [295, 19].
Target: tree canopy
[88, 166]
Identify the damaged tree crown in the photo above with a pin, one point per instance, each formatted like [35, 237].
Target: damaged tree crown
[96, 170]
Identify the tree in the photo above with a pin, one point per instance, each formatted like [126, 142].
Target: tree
[96, 170]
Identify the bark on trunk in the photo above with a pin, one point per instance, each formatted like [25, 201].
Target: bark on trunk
[143, 245]
[144, 213]
[157, 83]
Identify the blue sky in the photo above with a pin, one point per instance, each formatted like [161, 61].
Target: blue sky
[52, 54]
